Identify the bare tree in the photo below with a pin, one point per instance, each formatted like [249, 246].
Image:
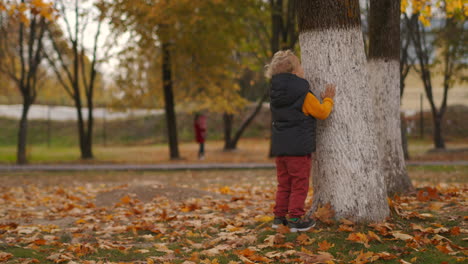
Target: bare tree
[406, 63]
[450, 39]
[21, 61]
[69, 62]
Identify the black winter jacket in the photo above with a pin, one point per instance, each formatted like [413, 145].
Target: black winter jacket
[293, 131]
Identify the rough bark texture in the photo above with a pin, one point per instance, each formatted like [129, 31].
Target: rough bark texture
[324, 14]
[404, 138]
[231, 143]
[384, 81]
[228, 120]
[346, 169]
[169, 103]
[21, 156]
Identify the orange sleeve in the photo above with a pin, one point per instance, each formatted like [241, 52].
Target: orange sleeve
[313, 107]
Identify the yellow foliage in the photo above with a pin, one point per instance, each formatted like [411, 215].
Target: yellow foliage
[23, 11]
[426, 9]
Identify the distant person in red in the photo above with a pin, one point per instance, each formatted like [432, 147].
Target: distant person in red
[199, 125]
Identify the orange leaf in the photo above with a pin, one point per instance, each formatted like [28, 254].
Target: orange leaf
[4, 256]
[325, 214]
[126, 199]
[282, 229]
[455, 231]
[359, 238]
[373, 236]
[325, 245]
[304, 239]
[40, 242]
[246, 252]
[444, 248]
[345, 228]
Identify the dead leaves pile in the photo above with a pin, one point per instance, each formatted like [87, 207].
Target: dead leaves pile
[65, 223]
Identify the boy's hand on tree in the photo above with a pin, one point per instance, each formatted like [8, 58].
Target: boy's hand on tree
[330, 90]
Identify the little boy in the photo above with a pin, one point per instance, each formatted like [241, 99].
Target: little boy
[294, 111]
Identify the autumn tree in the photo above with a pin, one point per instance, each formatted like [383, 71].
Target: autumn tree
[284, 31]
[69, 61]
[384, 81]
[347, 167]
[407, 61]
[22, 28]
[439, 45]
[252, 53]
[193, 47]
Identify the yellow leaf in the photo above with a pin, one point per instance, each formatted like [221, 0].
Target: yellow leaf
[225, 190]
[80, 221]
[264, 218]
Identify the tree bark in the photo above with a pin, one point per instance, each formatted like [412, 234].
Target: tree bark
[346, 167]
[21, 156]
[276, 24]
[384, 81]
[228, 118]
[169, 105]
[404, 138]
[231, 143]
[439, 141]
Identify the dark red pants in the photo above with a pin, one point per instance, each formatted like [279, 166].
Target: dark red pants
[293, 185]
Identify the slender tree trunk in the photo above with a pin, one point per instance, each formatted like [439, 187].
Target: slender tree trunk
[439, 141]
[85, 148]
[169, 105]
[21, 156]
[231, 144]
[384, 81]
[404, 138]
[276, 24]
[228, 119]
[346, 168]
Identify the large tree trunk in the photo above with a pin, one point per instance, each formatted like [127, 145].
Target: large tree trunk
[384, 81]
[169, 105]
[21, 155]
[346, 168]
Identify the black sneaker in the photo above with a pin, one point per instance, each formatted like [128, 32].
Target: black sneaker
[301, 224]
[279, 221]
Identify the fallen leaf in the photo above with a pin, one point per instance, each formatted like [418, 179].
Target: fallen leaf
[402, 236]
[325, 214]
[325, 245]
[4, 256]
[304, 239]
[321, 257]
[359, 238]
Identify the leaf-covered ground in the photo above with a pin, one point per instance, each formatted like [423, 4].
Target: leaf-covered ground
[193, 218]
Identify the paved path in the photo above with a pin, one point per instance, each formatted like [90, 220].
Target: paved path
[167, 167]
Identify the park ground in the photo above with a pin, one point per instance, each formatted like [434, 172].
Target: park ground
[210, 216]
[217, 216]
[249, 150]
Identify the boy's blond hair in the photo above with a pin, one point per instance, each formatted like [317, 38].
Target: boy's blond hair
[283, 61]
